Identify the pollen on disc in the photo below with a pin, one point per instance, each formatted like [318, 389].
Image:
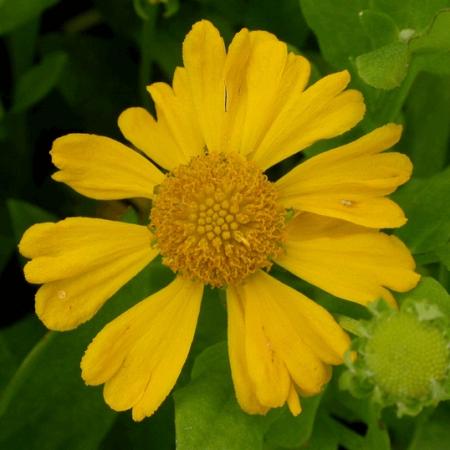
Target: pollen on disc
[217, 219]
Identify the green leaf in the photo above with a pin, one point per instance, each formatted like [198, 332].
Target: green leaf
[37, 82]
[425, 202]
[385, 67]
[338, 28]
[323, 437]
[431, 290]
[437, 37]
[23, 215]
[99, 78]
[348, 438]
[16, 12]
[22, 336]
[426, 135]
[7, 363]
[46, 405]
[207, 415]
[434, 434]
[157, 432]
[289, 431]
[410, 14]
[379, 27]
[15, 342]
[443, 253]
[377, 436]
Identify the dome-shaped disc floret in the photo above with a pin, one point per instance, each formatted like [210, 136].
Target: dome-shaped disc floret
[217, 219]
[401, 357]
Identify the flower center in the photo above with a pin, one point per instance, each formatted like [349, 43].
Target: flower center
[217, 219]
[406, 355]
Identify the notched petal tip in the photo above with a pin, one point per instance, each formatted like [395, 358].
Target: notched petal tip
[29, 243]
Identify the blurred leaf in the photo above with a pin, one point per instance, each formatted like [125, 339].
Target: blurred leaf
[443, 253]
[379, 27]
[89, 85]
[377, 436]
[289, 431]
[385, 67]
[23, 215]
[155, 433]
[120, 16]
[323, 438]
[436, 62]
[46, 404]
[272, 16]
[15, 342]
[171, 7]
[425, 202]
[338, 28]
[207, 416]
[437, 37]
[435, 433]
[37, 82]
[429, 289]
[14, 13]
[22, 46]
[345, 436]
[410, 14]
[426, 135]
[7, 363]
[22, 336]
[212, 322]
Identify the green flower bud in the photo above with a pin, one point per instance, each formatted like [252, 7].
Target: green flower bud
[401, 357]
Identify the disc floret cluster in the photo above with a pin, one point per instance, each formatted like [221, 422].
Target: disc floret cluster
[402, 357]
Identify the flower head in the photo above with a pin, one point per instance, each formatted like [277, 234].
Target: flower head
[402, 357]
[216, 219]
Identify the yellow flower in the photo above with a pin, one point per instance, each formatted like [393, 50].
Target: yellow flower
[217, 220]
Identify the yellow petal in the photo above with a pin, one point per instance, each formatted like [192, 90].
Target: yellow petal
[285, 335]
[277, 340]
[267, 371]
[204, 59]
[102, 168]
[320, 112]
[349, 182]
[179, 115]
[243, 385]
[293, 401]
[266, 64]
[313, 324]
[140, 354]
[257, 62]
[140, 128]
[235, 74]
[82, 262]
[349, 261]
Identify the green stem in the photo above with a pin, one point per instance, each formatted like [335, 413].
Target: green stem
[392, 101]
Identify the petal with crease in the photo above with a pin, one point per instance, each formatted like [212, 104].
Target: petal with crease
[140, 354]
[350, 182]
[352, 262]
[322, 111]
[204, 59]
[140, 128]
[82, 262]
[279, 340]
[102, 168]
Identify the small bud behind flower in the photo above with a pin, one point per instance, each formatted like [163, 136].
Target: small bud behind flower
[401, 357]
